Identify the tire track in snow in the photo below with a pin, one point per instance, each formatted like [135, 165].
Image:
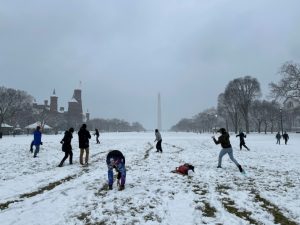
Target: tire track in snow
[49, 186]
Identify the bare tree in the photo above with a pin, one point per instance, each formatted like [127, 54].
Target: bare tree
[289, 85]
[243, 92]
[228, 108]
[12, 101]
[257, 114]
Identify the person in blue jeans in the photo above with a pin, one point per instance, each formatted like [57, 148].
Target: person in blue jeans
[116, 160]
[226, 148]
[37, 140]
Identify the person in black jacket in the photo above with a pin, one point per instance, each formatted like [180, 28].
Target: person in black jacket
[66, 146]
[97, 135]
[242, 140]
[116, 160]
[226, 148]
[285, 137]
[84, 136]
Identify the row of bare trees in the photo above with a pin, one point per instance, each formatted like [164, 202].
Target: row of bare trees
[114, 125]
[240, 106]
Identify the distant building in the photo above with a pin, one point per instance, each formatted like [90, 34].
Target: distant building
[292, 117]
[62, 119]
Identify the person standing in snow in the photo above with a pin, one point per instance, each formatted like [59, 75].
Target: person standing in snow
[84, 136]
[116, 160]
[37, 140]
[242, 140]
[278, 137]
[97, 135]
[226, 148]
[66, 146]
[159, 140]
[285, 137]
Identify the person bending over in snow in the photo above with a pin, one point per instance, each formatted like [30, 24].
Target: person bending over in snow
[226, 148]
[185, 169]
[116, 160]
[242, 140]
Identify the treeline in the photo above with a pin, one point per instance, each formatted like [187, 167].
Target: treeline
[114, 125]
[240, 106]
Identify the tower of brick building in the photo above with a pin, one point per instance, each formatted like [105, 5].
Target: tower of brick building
[53, 102]
[75, 114]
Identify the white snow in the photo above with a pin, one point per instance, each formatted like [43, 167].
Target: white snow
[36, 191]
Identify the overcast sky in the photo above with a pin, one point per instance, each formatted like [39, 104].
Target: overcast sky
[125, 52]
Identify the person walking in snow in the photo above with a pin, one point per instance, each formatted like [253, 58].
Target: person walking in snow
[37, 140]
[226, 148]
[159, 140]
[116, 160]
[278, 137]
[66, 146]
[97, 135]
[242, 140]
[285, 137]
[84, 136]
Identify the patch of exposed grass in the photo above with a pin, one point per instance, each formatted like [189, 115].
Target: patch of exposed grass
[152, 217]
[279, 218]
[229, 205]
[209, 211]
[49, 187]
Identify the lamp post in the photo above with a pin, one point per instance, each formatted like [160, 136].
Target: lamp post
[281, 120]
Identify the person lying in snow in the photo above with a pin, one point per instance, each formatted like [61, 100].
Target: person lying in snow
[185, 169]
[116, 160]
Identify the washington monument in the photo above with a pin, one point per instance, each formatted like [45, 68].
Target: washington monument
[159, 126]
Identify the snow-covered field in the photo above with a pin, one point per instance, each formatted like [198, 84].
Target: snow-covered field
[36, 191]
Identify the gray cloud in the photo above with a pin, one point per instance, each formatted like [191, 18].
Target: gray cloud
[125, 52]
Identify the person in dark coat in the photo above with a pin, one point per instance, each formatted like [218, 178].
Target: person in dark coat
[84, 136]
[116, 160]
[278, 137]
[97, 135]
[226, 148]
[159, 140]
[66, 146]
[242, 140]
[285, 137]
[37, 140]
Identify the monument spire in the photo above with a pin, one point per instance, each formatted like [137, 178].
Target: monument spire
[159, 125]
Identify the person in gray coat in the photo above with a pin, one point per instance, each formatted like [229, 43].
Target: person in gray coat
[159, 140]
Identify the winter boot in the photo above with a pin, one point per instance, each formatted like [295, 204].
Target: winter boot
[240, 168]
[121, 187]
[110, 187]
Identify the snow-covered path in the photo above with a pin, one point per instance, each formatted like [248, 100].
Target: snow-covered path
[36, 191]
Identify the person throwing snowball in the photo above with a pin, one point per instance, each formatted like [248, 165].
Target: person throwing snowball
[226, 148]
